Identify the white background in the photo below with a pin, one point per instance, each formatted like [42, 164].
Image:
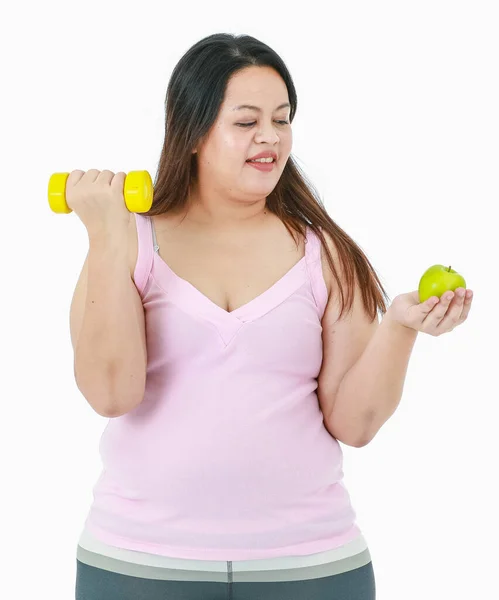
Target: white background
[397, 127]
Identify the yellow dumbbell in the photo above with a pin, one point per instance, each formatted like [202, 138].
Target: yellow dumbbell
[138, 192]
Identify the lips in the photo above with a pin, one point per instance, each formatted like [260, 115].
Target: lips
[266, 154]
[261, 163]
[266, 167]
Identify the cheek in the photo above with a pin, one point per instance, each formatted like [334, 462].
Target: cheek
[231, 151]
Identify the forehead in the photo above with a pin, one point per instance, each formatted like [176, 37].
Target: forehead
[256, 86]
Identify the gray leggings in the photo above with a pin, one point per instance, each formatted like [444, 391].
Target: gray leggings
[93, 583]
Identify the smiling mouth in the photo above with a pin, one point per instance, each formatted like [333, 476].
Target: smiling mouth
[265, 167]
[262, 163]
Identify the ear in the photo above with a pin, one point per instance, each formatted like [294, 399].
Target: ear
[199, 144]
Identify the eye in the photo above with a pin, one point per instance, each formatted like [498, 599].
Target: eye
[250, 124]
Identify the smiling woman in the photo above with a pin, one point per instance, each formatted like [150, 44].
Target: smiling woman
[224, 479]
[249, 112]
[244, 132]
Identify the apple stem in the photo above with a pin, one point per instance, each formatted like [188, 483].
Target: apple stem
[448, 269]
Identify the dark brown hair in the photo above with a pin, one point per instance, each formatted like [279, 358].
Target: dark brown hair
[194, 96]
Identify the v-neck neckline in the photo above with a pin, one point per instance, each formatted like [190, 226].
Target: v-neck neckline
[190, 298]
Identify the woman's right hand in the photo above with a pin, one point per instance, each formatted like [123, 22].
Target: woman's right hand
[98, 200]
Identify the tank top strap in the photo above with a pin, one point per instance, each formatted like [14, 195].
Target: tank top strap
[313, 246]
[313, 254]
[145, 248]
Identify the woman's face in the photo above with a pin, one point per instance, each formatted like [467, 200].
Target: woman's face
[240, 133]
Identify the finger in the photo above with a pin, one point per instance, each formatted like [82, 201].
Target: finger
[467, 305]
[439, 311]
[454, 310]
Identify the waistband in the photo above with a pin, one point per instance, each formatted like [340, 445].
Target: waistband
[351, 555]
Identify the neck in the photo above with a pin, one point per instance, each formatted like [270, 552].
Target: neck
[225, 215]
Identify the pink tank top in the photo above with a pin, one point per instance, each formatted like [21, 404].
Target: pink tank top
[227, 457]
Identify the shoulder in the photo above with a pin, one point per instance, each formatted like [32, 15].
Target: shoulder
[326, 269]
[159, 222]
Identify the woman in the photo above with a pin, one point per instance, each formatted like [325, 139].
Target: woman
[219, 319]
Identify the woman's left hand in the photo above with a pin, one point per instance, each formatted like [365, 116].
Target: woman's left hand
[434, 318]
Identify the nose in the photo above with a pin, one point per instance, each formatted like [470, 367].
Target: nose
[267, 133]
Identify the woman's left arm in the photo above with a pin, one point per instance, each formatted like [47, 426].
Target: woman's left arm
[372, 388]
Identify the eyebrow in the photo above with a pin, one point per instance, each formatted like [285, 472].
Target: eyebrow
[257, 108]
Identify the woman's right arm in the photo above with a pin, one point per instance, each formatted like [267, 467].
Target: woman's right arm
[108, 328]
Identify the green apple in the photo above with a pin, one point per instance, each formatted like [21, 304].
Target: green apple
[437, 280]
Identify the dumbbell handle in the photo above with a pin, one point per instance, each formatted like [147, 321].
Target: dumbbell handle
[138, 192]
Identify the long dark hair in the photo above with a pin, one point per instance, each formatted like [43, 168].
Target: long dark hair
[194, 96]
